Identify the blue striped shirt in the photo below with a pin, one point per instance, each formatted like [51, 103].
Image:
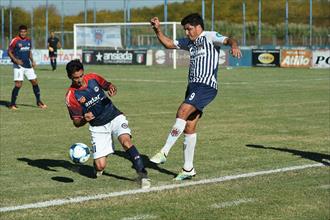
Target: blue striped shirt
[204, 57]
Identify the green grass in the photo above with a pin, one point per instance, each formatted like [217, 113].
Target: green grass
[281, 114]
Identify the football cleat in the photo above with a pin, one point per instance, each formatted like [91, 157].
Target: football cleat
[40, 104]
[13, 107]
[144, 181]
[97, 174]
[158, 158]
[184, 175]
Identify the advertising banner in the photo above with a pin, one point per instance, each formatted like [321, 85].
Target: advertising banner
[296, 58]
[266, 58]
[4, 58]
[41, 57]
[245, 60]
[165, 57]
[99, 36]
[63, 56]
[136, 57]
[321, 59]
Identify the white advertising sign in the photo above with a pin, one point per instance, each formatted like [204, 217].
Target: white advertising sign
[99, 36]
[321, 59]
[63, 56]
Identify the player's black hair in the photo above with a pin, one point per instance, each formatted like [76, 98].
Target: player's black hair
[73, 66]
[22, 27]
[193, 19]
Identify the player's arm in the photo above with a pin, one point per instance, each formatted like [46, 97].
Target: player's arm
[31, 58]
[235, 51]
[11, 53]
[59, 45]
[107, 86]
[163, 39]
[81, 121]
[13, 58]
[75, 111]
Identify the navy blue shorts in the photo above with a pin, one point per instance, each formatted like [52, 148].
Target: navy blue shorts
[199, 95]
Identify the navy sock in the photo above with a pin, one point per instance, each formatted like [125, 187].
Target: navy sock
[54, 64]
[136, 160]
[36, 91]
[14, 95]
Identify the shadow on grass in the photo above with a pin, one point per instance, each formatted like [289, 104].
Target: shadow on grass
[84, 170]
[147, 163]
[4, 103]
[7, 103]
[318, 157]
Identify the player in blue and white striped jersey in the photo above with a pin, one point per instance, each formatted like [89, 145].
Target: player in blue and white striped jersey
[204, 48]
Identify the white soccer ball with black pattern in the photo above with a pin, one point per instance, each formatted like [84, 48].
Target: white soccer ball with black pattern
[79, 153]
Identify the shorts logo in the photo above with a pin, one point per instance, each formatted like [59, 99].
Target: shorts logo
[218, 35]
[192, 96]
[96, 89]
[82, 100]
[124, 125]
[175, 132]
[94, 147]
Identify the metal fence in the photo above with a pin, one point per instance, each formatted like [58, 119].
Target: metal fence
[59, 16]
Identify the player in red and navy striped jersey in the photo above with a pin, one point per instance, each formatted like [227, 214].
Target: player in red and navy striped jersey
[88, 103]
[21, 55]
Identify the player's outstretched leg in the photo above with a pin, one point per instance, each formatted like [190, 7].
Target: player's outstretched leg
[175, 133]
[139, 167]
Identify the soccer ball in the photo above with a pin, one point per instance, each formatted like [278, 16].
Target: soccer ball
[79, 153]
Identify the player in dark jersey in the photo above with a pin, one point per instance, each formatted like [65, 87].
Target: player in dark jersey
[53, 45]
[88, 103]
[204, 47]
[21, 55]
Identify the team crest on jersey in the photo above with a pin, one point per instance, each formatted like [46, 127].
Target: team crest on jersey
[96, 88]
[20, 45]
[124, 125]
[82, 99]
[175, 132]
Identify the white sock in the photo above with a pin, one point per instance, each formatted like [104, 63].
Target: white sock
[175, 133]
[189, 150]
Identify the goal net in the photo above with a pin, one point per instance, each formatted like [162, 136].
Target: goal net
[122, 37]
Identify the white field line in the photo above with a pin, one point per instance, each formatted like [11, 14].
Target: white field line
[325, 187]
[231, 203]
[221, 83]
[140, 217]
[79, 199]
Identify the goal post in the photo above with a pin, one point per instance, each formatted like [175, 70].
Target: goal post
[125, 36]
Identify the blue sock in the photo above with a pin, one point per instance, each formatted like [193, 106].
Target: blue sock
[14, 95]
[36, 91]
[136, 160]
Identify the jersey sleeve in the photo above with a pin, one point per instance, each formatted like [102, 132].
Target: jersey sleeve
[12, 44]
[216, 37]
[100, 80]
[182, 43]
[73, 105]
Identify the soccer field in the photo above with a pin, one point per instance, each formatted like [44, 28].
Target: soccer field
[262, 120]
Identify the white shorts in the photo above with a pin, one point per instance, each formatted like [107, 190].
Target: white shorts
[102, 135]
[19, 74]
